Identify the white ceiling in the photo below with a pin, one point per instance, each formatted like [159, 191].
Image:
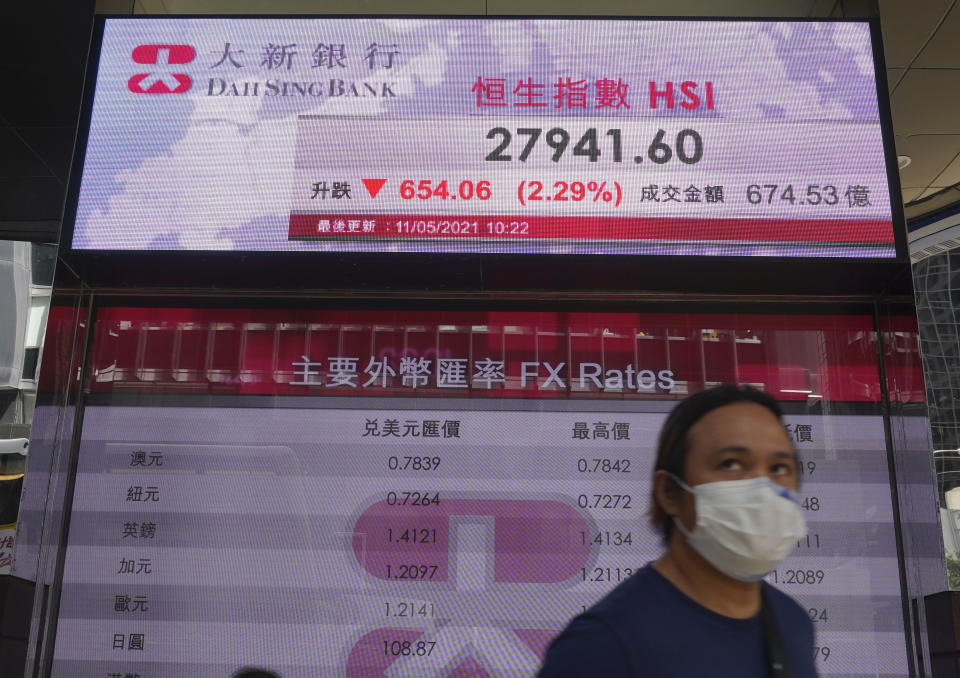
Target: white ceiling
[923, 72]
[920, 42]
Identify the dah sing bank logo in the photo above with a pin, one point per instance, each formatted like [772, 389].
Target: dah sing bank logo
[161, 79]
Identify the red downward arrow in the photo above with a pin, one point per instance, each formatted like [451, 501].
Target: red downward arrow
[373, 186]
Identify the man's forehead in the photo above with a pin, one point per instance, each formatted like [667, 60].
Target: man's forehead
[739, 423]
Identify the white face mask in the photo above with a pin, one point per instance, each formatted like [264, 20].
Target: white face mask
[745, 528]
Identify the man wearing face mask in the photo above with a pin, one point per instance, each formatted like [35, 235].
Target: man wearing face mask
[724, 498]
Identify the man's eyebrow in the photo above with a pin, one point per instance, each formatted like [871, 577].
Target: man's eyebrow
[738, 449]
[741, 449]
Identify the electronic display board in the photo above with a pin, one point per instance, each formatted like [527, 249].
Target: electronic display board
[549, 136]
[437, 496]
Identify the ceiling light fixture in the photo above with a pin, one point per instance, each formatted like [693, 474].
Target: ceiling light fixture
[903, 161]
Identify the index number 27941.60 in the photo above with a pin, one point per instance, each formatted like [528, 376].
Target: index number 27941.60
[687, 146]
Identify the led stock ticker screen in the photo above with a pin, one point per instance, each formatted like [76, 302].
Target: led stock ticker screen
[360, 495]
[486, 135]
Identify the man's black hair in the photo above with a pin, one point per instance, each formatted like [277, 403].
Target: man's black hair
[254, 672]
[674, 444]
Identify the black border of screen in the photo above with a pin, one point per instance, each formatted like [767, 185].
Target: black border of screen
[488, 272]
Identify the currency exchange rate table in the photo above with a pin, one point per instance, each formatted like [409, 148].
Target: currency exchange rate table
[398, 538]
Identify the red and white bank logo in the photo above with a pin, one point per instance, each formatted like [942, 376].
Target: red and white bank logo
[161, 80]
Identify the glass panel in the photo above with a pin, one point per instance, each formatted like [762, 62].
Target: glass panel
[37, 320]
[937, 291]
[43, 264]
[348, 482]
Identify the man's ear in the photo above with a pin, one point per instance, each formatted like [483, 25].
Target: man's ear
[666, 492]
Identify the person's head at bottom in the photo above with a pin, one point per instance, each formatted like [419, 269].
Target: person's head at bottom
[254, 672]
[724, 497]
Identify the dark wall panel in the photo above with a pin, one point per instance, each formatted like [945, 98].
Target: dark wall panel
[42, 54]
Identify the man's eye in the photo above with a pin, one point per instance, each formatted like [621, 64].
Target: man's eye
[782, 469]
[731, 464]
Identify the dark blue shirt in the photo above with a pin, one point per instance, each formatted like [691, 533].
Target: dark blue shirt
[647, 628]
